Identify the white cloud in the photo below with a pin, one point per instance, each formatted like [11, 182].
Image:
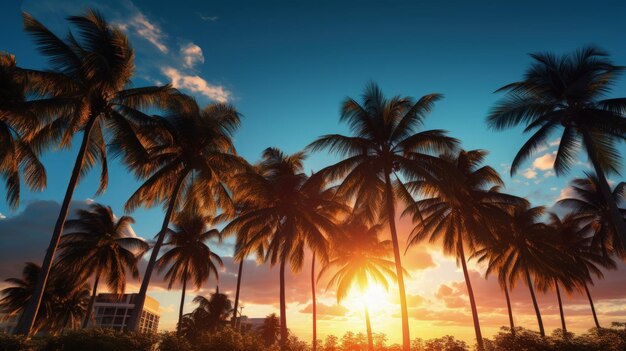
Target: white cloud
[192, 55]
[565, 193]
[151, 32]
[545, 162]
[555, 142]
[549, 173]
[554, 189]
[196, 84]
[529, 173]
[89, 201]
[207, 18]
[2, 216]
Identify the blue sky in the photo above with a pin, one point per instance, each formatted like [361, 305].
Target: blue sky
[287, 66]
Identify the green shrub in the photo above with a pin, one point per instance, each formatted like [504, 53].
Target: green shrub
[171, 342]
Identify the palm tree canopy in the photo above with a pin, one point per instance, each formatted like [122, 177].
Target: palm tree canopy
[16, 123]
[566, 92]
[592, 211]
[192, 146]
[358, 258]
[385, 140]
[525, 244]
[98, 242]
[575, 241]
[189, 256]
[88, 88]
[210, 314]
[285, 210]
[461, 202]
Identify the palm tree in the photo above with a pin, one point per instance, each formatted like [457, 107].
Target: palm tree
[592, 211]
[64, 304]
[523, 249]
[286, 212]
[211, 314]
[384, 143]
[457, 208]
[16, 122]
[270, 329]
[587, 259]
[86, 91]
[189, 257]
[313, 305]
[567, 92]
[359, 260]
[100, 245]
[191, 152]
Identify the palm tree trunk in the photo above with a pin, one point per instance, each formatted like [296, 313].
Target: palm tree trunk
[593, 309]
[133, 323]
[27, 320]
[283, 308]
[470, 292]
[535, 305]
[508, 306]
[92, 300]
[182, 303]
[234, 321]
[558, 297]
[605, 189]
[368, 325]
[391, 213]
[314, 303]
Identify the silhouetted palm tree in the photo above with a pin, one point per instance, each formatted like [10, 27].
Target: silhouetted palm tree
[384, 143]
[576, 240]
[567, 92]
[100, 245]
[189, 256]
[16, 121]
[211, 314]
[358, 260]
[456, 210]
[524, 250]
[86, 91]
[270, 329]
[190, 153]
[64, 303]
[287, 212]
[592, 211]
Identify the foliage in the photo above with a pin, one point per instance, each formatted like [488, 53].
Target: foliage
[12, 342]
[101, 340]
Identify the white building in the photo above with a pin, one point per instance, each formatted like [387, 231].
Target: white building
[113, 311]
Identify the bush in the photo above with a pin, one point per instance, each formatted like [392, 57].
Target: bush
[12, 343]
[101, 340]
[171, 342]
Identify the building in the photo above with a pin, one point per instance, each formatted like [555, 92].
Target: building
[113, 311]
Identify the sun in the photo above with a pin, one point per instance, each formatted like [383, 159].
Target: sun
[375, 297]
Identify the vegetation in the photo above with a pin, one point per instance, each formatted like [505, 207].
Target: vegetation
[185, 156]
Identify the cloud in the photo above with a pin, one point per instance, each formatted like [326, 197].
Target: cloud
[192, 55]
[141, 26]
[207, 18]
[545, 162]
[529, 173]
[196, 84]
[326, 310]
[2, 216]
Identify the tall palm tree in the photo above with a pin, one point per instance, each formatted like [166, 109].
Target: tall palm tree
[16, 296]
[587, 260]
[384, 142]
[270, 329]
[524, 250]
[592, 211]
[313, 305]
[69, 303]
[100, 245]
[190, 152]
[358, 260]
[211, 314]
[189, 256]
[456, 210]
[17, 122]
[287, 212]
[87, 90]
[568, 92]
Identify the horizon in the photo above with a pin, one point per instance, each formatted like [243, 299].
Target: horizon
[287, 68]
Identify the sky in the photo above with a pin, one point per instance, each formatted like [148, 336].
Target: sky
[286, 66]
